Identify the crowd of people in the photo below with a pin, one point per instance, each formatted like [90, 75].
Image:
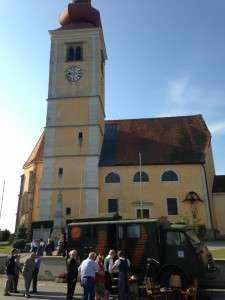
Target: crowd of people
[29, 271]
[95, 272]
[30, 268]
[42, 248]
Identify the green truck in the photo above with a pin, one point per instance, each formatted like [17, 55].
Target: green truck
[172, 248]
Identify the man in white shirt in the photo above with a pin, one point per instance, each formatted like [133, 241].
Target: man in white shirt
[88, 269]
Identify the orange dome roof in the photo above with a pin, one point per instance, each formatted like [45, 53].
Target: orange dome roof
[80, 11]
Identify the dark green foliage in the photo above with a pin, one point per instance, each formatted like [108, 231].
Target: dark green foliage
[21, 232]
[5, 235]
[19, 244]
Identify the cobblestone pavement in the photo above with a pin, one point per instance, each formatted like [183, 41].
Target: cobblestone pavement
[47, 291]
[57, 291]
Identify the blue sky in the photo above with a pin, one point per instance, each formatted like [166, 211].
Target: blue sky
[165, 58]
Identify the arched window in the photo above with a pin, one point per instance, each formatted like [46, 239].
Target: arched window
[79, 54]
[169, 176]
[144, 177]
[70, 54]
[112, 178]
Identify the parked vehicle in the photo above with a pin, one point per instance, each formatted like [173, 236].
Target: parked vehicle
[173, 248]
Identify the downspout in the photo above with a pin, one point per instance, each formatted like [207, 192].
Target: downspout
[209, 202]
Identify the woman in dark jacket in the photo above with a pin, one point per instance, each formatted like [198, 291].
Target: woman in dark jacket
[72, 273]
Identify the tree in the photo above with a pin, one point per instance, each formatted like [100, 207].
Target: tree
[21, 232]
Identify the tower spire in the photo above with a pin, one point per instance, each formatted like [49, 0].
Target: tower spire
[80, 11]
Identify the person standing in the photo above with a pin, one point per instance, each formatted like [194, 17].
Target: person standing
[41, 248]
[122, 265]
[49, 248]
[72, 273]
[36, 272]
[88, 270]
[34, 246]
[108, 264]
[100, 279]
[28, 272]
[10, 272]
[18, 269]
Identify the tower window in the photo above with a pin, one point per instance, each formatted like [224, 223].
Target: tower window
[78, 54]
[80, 137]
[68, 211]
[70, 54]
[60, 172]
[102, 62]
[74, 53]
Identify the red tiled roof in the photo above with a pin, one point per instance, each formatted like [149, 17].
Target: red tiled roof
[80, 12]
[219, 184]
[172, 140]
[37, 153]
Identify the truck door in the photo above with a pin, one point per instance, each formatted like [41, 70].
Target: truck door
[180, 252]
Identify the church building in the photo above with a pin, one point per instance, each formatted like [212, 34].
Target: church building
[87, 167]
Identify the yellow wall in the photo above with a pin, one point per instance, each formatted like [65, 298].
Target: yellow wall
[72, 199]
[210, 175]
[219, 207]
[155, 191]
[36, 202]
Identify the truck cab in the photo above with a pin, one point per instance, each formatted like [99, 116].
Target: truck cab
[183, 252]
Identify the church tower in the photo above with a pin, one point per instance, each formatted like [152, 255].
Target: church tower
[75, 116]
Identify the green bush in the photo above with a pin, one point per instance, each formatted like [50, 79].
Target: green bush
[21, 232]
[4, 235]
[20, 244]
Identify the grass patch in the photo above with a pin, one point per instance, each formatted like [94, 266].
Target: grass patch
[218, 253]
[5, 249]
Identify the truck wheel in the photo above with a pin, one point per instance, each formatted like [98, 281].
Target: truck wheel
[167, 273]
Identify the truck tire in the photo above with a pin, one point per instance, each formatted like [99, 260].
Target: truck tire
[165, 274]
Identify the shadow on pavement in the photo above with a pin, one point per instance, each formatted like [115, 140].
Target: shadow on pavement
[46, 296]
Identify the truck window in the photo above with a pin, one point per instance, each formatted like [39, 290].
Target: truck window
[183, 239]
[134, 231]
[176, 238]
[173, 238]
[193, 237]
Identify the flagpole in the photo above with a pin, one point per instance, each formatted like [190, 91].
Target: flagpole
[3, 192]
[141, 200]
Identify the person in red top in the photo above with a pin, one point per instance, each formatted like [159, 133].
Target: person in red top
[100, 279]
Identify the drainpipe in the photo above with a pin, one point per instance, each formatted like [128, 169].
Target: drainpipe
[209, 202]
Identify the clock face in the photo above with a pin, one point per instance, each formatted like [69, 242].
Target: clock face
[73, 74]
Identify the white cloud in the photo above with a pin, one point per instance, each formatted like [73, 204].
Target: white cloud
[177, 89]
[217, 128]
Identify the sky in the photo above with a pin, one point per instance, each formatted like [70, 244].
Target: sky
[165, 58]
